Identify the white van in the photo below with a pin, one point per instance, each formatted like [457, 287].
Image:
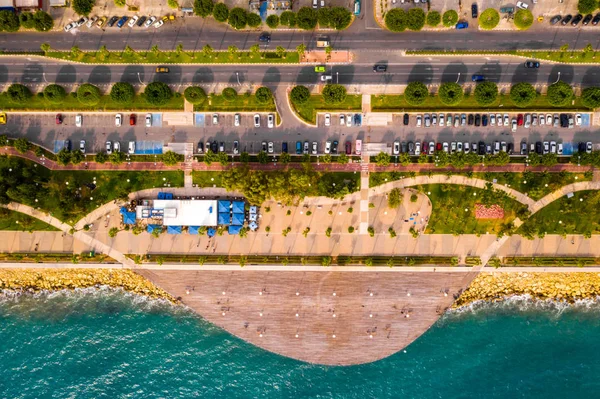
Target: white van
[358, 147]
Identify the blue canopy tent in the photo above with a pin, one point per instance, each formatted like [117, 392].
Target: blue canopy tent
[193, 229]
[238, 207]
[234, 229]
[224, 206]
[224, 218]
[161, 195]
[211, 232]
[173, 229]
[151, 227]
[128, 217]
[237, 219]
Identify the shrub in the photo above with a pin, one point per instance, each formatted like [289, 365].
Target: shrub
[173, 4]
[522, 94]
[43, 22]
[336, 17]
[54, 94]
[237, 18]
[88, 94]
[157, 93]
[229, 94]
[288, 18]
[559, 94]
[450, 93]
[415, 19]
[299, 94]
[203, 8]
[272, 21]
[22, 145]
[253, 20]
[195, 95]
[122, 93]
[26, 20]
[486, 93]
[220, 12]
[433, 18]
[83, 7]
[450, 18]
[9, 22]
[587, 6]
[101, 157]
[263, 95]
[18, 94]
[416, 93]
[395, 198]
[523, 19]
[306, 18]
[395, 20]
[334, 94]
[489, 19]
[590, 97]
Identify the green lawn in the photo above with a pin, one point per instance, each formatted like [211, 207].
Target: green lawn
[571, 57]
[17, 221]
[171, 57]
[396, 103]
[308, 111]
[577, 215]
[241, 103]
[70, 103]
[449, 216]
[206, 179]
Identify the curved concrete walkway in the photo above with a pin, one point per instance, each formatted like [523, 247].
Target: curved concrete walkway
[569, 188]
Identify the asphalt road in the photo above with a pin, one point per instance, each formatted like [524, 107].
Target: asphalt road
[430, 70]
[194, 33]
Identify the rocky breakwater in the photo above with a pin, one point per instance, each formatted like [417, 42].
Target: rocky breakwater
[36, 280]
[497, 286]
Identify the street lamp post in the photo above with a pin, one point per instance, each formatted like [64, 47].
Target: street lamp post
[557, 79]
[337, 77]
[139, 78]
[237, 75]
[458, 77]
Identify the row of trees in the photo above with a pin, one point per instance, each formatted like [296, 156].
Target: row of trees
[398, 20]
[486, 93]
[40, 21]
[442, 158]
[333, 94]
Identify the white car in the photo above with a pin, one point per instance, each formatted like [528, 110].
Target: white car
[109, 147]
[90, 23]
[459, 146]
[453, 147]
[348, 120]
[499, 119]
[132, 21]
[396, 149]
[559, 150]
[514, 125]
[549, 119]
[148, 120]
[131, 148]
[342, 120]
[467, 147]
[82, 146]
[117, 146]
[270, 121]
[546, 147]
[418, 148]
[553, 147]
[506, 120]
[446, 147]
[327, 120]
[578, 120]
[449, 120]
[159, 23]
[492, 120]
[442, 119]
[118, 120]
[215, 119]
[78, 120]
[256, 120]
[427, 120]
[419, 119]
[82, 21]
[236, 146]
[315, 148]
[327, 147]
[431, 147]
[270, 148]
[236, 120]
[149, 22]
[542, 120]
[522, 6]
[70, 26]
[527, 124]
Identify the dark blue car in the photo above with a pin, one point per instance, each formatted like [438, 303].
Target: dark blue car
[462, 25]
[122, 22]
[477, 78]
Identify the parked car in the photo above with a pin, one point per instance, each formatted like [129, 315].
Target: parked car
[271, 147]
[417, 148]
[327, 120]
[588, 147]
[334, 147]
[91, 21]
[78, 120]
[566, 19]
[555, 19]
[270, 121]
[141, 21]
[122, 22]
[471, 120]
[149, 22]
[112, 21]
[315, 148]
[118, 120]
[200, 147]
[596, 19]
[418, 120]
[396, 148]
[236, 120]
[342, 120]
[284, 147]
[477, 119]
[327, 147]
[514, 125]
[70, 26]
[348, 120]
[522, 6]
[462, 25]
[236, 147]
[132, 21]
[474, 11]
[357, 120]
[576, 20]
[587, 20]
[578, 120]
[158, 24]
[256, 120]
[132, 120]
[109, 147]
[559, 149]
[131, 148]
[221, 146]
[348, 148]
[546, 147]
[306, 147]
[406, 119]
[148, 120]
[59, 119]
[523, 148]
[116, 146]
[82, 146]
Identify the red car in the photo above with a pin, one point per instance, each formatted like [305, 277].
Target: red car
[424, 147]
[348, 146]
[438, 147]
[132, 120]
[58, 119]
[520, 120]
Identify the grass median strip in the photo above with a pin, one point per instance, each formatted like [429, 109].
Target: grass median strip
[239, 103]
[316, 103]
[587, 55]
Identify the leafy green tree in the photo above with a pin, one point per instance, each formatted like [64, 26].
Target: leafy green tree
[522, 94]
[158, 93]
[22, 145]
[77, 157]
[117, 157]
[587, 6]
[221, 12]
[382, 159]
[244, 157]
[54, 94]
[404, 159]
[273, 21]
[301, 49]
[203, 8]
[288, 18]
[264, 95]
[253, 20]
[299, 95]
[120, 3]
[18, 94]
[590, 97]
[9, 22]
[342, 159]
[415, 19]
[262, 157]
[63, 157]
[450, 18]
[280, 51]
[101, 157]
[486, 93]
[174, 4]
[395, 198]
[416, 93]
[232, 50]
[433, 18]
[334, 94]
[195, 95]
[43, 22]
[340, 18]
[45, 47]
[450, 93]
[88, 94]
[395, 20]
[83, 7]
[207, 50]
[26, 20]
[523, 19]
[254, 50]
[229, 94]
[171, 158]
[559, 94]
[122, 93]
[75, 52]
[306, 18]
[489, 19]
[549, 159]
[238, 18]
[285, 158]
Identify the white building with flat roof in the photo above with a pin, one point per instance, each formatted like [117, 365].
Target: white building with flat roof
[182, 212]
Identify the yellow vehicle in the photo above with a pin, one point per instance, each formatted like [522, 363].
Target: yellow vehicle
[162, 70]
[171, 18]
[165, 18]
[101, 22]
[2, 118]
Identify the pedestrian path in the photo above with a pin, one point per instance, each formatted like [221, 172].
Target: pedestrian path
[570, 188]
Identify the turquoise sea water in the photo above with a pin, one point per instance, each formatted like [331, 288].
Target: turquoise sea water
[109, 344]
